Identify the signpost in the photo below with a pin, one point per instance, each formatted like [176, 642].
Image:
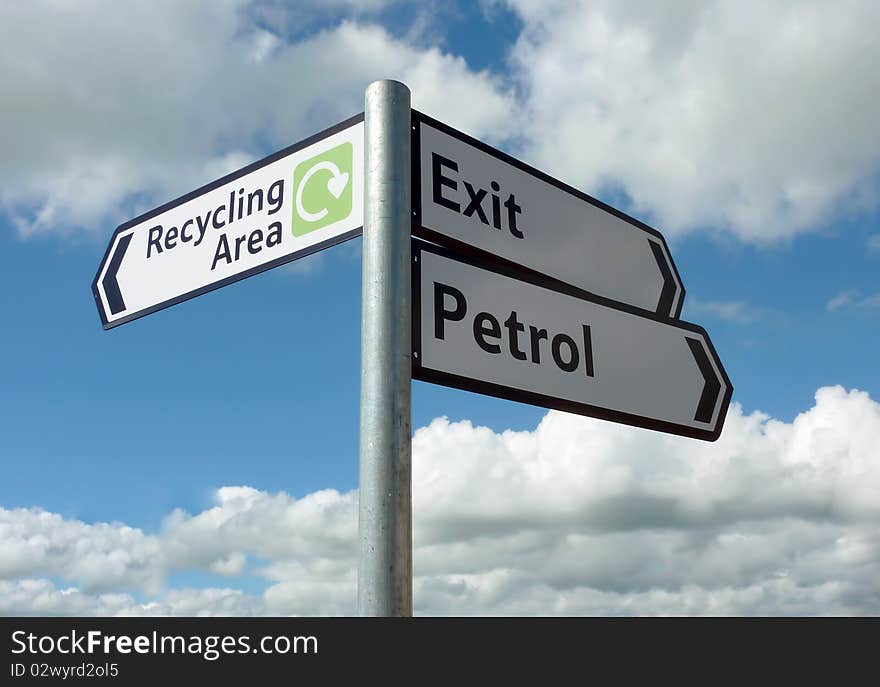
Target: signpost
[541, 294]
[476, 327]
[384, 487]
[473, 197]
[298, 201]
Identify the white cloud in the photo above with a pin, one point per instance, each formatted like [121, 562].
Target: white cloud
[841, 300]
[756, 117]
[41, 597]
[578, 516]
[749, 117]
[853, 299]
[267, 526]
[874, 243]
[106, 127]
[732, 311]
[99, 557]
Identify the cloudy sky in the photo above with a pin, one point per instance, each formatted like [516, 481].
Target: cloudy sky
[203, 460]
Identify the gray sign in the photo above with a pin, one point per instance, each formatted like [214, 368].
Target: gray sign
[478, 328]
[477, 199]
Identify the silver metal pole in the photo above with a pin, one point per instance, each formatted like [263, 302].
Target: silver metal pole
[385, 494]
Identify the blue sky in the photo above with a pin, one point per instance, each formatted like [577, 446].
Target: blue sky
[771, 217]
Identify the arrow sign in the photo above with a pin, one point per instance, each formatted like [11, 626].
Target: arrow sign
[298, 201]
[476, 199]
[488, 330]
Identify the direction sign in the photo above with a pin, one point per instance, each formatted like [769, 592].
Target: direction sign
[477, 199]
[291, 204]
[483, 328]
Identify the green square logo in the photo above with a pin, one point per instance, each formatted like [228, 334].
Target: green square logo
[322, 189]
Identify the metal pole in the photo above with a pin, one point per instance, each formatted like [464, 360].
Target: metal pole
[385, 498]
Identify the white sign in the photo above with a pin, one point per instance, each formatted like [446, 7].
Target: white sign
[298, 201]
[471, 196]
[477, 328]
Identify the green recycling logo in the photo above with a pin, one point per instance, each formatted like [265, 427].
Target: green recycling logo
[322, 189]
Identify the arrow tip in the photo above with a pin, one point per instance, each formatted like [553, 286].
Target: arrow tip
[111, 285]
[670, 285]
[711, 382]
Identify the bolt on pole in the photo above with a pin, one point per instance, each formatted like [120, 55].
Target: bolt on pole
[385, 491]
